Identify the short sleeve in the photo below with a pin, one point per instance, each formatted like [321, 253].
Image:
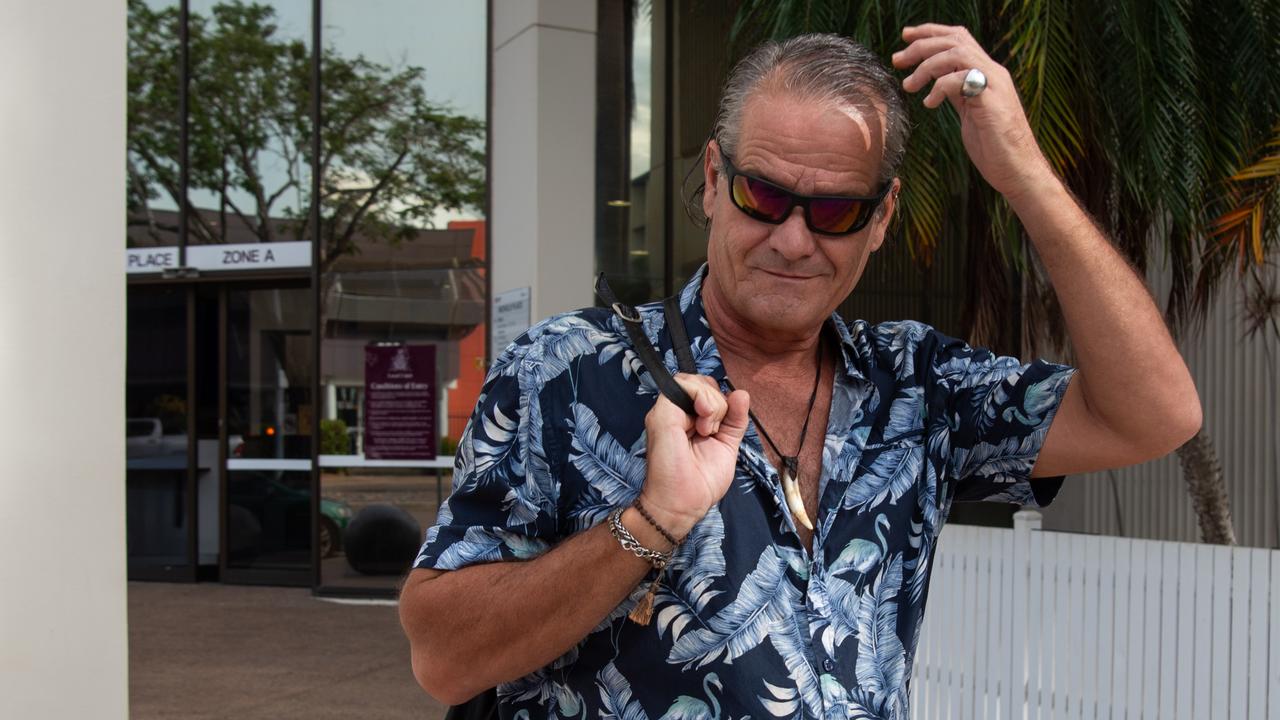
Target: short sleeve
[504, 500]
[999, 411]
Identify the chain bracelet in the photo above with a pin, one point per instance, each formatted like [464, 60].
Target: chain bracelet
[631, 544]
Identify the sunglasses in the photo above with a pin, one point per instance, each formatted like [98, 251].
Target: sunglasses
[823, 214]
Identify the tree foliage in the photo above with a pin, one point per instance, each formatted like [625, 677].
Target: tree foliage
[390, 157]
[1163, 116]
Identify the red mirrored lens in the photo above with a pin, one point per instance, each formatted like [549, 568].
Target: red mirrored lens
[834, 215]
[760, 199]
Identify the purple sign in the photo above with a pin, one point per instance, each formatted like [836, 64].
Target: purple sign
[399, 402]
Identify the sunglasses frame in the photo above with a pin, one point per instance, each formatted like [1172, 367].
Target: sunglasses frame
[864, 217]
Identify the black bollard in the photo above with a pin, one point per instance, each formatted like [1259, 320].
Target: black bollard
[382, 539]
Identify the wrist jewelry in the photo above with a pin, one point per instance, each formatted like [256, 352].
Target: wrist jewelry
[629, 542]
[649, 518]
[643, 611]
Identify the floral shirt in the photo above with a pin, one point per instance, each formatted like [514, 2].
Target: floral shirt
[747, 620]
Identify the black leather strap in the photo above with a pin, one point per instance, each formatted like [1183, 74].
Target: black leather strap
[635, 330]
[679, 336]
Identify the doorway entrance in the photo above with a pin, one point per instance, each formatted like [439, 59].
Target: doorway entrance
[219, 414]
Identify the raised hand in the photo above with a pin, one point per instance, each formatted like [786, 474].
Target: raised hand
[691, 460]
[993, 124]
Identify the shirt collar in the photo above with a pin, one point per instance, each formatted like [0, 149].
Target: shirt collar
[855, 349]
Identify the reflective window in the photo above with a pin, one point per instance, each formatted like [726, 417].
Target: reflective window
[630, 172]
[269, 373]
[403, 274]
[250, 127]
[269, 416]
[153, 189]
[158, 501]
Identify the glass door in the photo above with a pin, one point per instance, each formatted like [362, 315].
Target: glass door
[266, 418]
[160, 502]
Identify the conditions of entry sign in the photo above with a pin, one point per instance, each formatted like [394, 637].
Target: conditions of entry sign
[399, 402]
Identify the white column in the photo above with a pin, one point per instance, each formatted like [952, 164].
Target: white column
[63, 615]
[543, 143]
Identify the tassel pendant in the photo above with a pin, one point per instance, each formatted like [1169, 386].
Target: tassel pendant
[791, 489]
[643, 611]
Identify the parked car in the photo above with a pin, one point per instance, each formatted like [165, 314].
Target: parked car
[145, 437]
[268, 513]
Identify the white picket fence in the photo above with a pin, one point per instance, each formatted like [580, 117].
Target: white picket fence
[1025, 623]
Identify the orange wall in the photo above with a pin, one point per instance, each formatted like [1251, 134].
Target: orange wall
[471, 368]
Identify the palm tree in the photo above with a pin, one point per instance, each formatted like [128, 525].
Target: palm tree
[1163, 116]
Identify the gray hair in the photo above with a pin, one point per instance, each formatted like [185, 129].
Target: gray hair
[818, 66]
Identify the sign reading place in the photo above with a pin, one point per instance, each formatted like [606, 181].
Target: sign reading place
[246, 256]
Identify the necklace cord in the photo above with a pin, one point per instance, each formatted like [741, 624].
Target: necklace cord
[791, 462]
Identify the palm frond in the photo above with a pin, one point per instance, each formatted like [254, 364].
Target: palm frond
[1041, 49]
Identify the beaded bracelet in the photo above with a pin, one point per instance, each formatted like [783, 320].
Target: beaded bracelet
[661, 530]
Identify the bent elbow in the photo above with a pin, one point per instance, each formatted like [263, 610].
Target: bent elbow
[434, 678]
[1166, 430]
[1193, 422]
[1186, 419]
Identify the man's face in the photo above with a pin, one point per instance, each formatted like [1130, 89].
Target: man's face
[785, 279]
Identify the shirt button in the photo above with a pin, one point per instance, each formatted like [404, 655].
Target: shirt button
[828, 665]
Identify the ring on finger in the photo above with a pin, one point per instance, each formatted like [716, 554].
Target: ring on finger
[975, 81]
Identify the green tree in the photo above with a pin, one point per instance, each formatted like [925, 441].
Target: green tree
[1163, 116]
[390, 157]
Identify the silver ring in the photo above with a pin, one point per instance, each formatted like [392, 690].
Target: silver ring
[974, 83]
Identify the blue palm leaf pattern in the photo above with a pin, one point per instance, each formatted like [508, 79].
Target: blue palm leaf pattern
[859, 704]
[537, 493]
[781, 702]
[792, 646]
[1008, 458]
[904, 336]
[556, 343]
[697, 564]
[613, 474]
[905, 414]
[837, 600]
[673, 612]
[496, 445]
[765, 596]
[615, 696]
[881, 657]
[893, 471]
[706, 357]
[477, 546]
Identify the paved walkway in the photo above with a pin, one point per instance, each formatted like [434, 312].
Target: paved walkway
[225, 651]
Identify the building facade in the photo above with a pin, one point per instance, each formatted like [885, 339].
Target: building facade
[306, 299]
[267, 264]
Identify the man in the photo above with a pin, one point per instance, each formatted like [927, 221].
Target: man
[542, 552]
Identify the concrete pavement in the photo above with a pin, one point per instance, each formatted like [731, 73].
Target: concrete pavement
[225, 651]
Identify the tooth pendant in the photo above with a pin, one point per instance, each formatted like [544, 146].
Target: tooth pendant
[791, 489]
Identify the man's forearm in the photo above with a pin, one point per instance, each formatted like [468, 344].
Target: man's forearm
[1131, 369]
[473, 628]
